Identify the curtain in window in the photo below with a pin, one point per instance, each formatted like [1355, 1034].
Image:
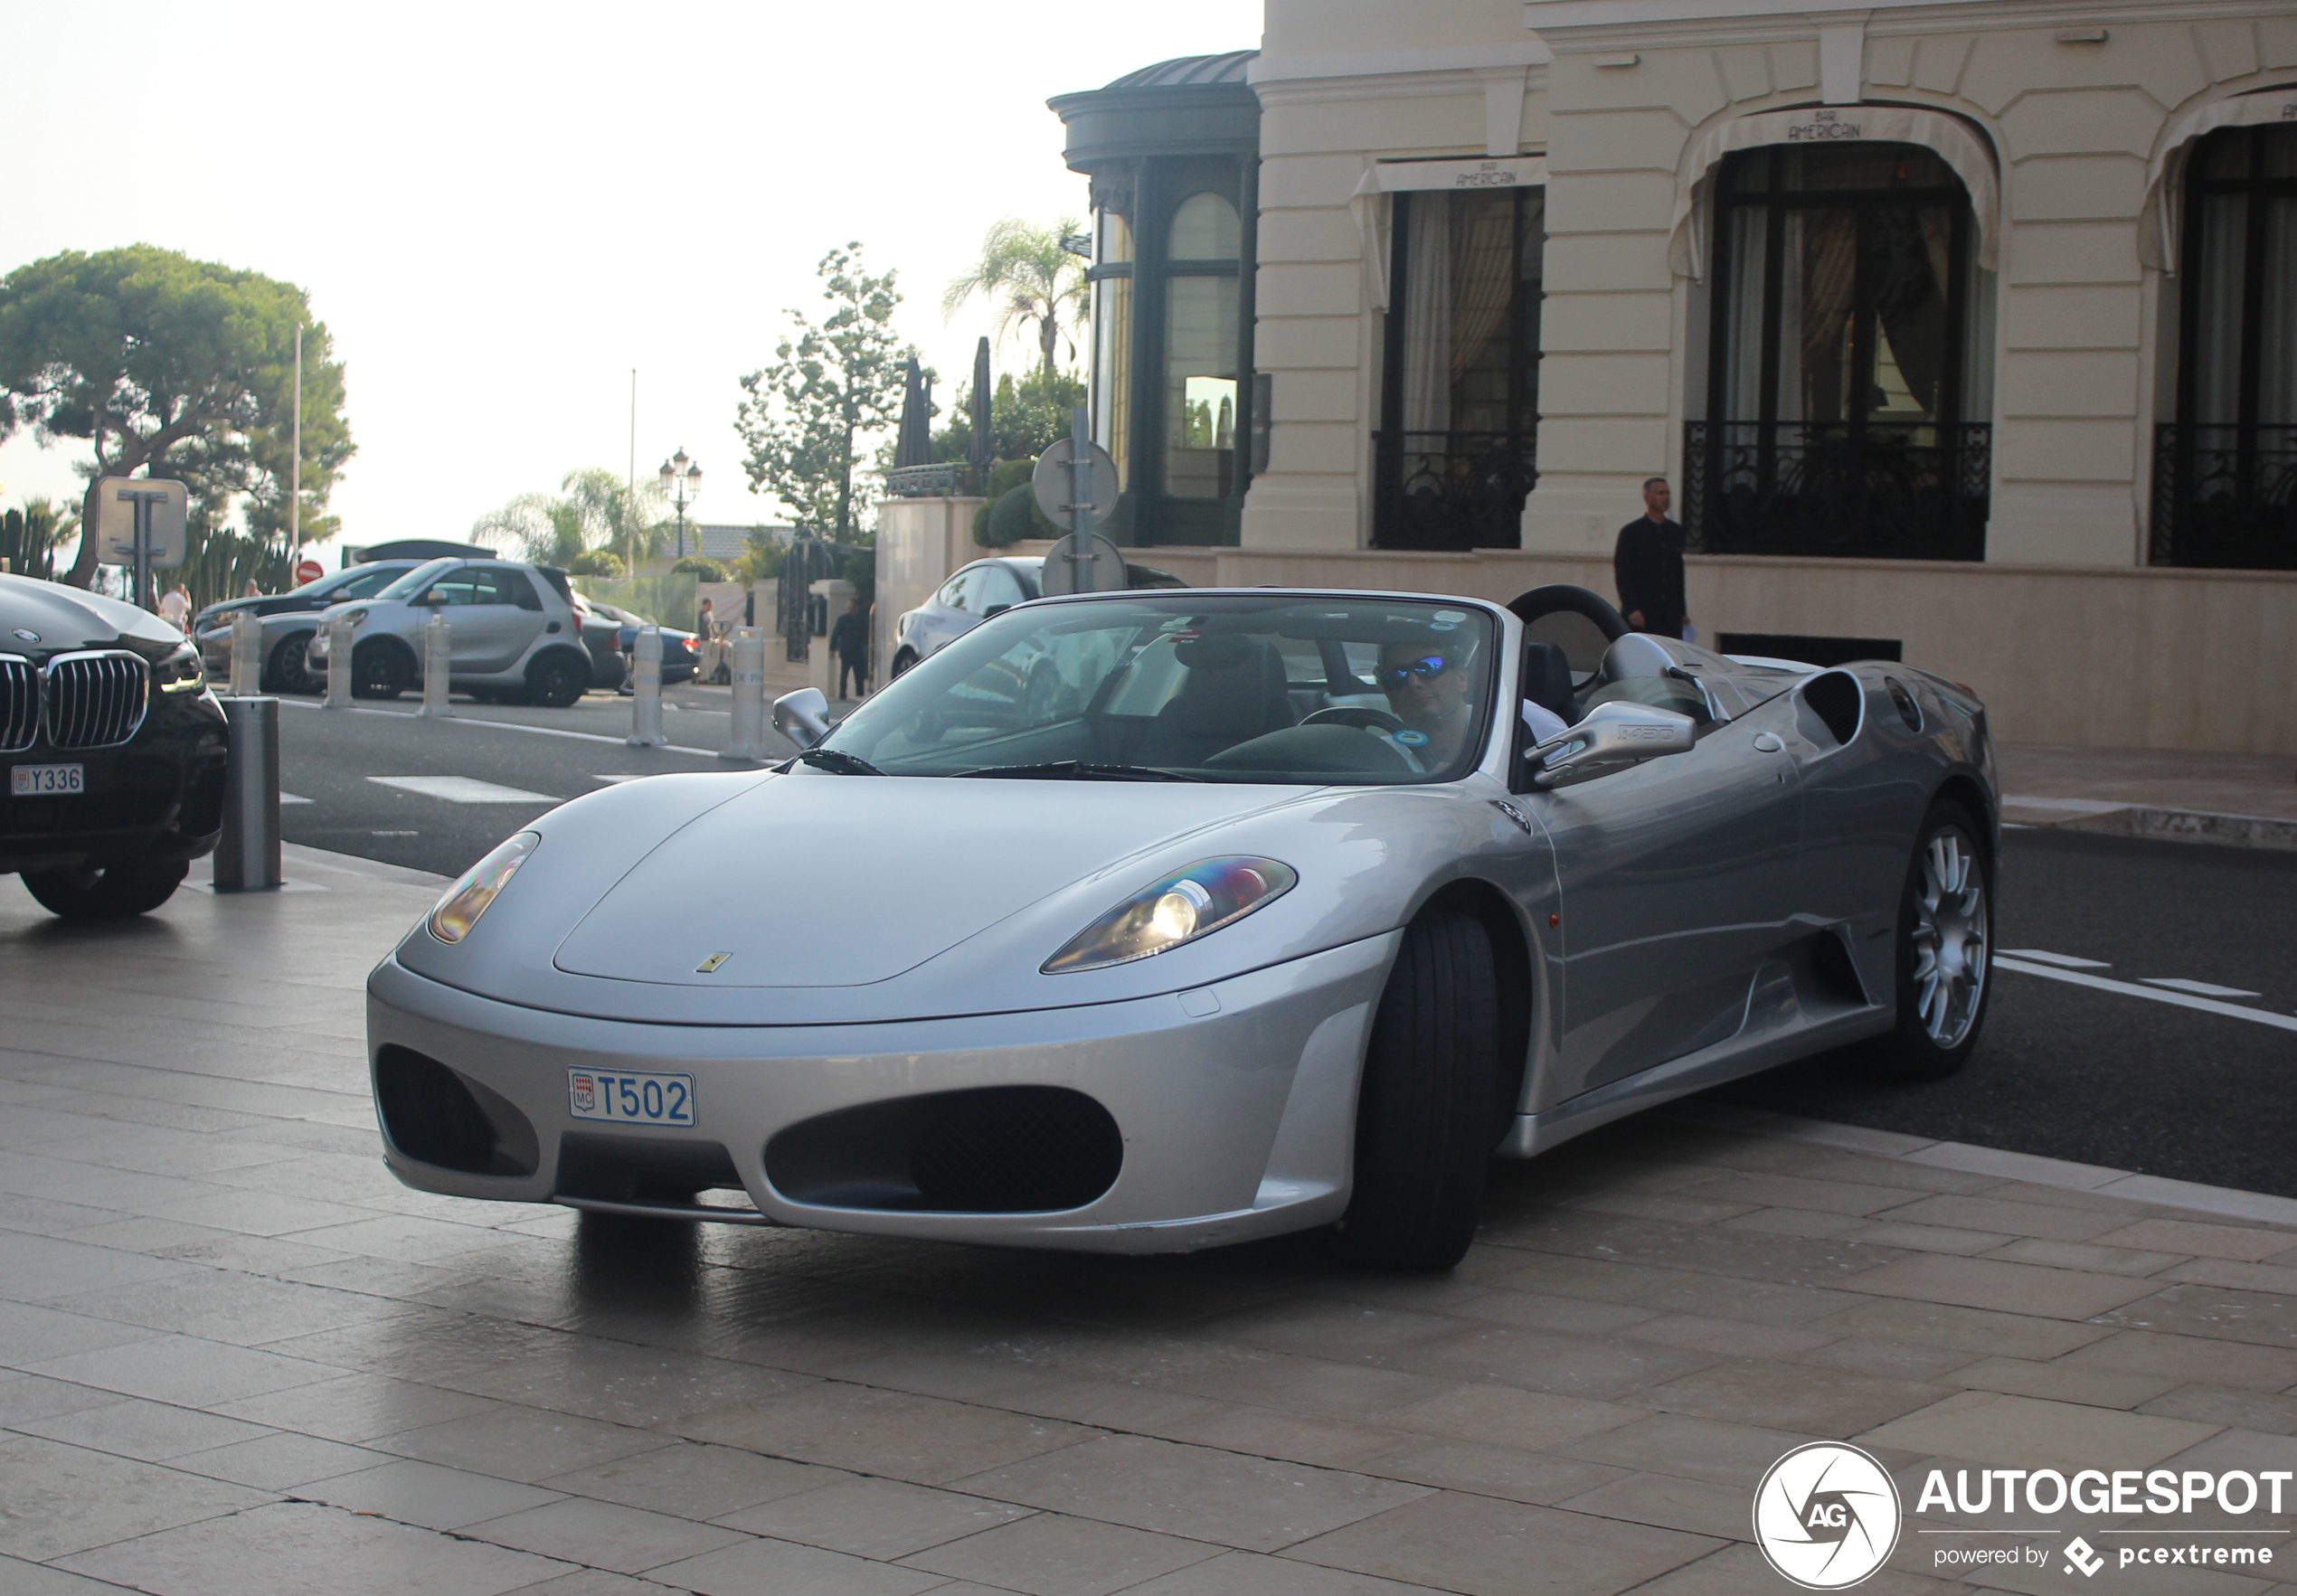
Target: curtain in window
[1427, 316]
[2216, 288]
[2277, 314]
[1822, 271]
[1483, 274]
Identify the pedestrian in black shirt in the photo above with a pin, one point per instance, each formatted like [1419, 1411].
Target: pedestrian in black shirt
[850, 641]
[1648, 566]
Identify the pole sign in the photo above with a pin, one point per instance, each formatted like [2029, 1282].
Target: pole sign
[131, 508]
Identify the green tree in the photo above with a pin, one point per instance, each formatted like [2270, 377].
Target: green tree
[831, 387]
[175, 368]
[1033, 281]
[29, 537]
[1025, 417]
[594, 509]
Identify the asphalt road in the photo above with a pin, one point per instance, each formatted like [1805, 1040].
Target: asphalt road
[2062, 1070]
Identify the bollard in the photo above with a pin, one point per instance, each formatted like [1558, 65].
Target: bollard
[247, 856]
[749, 672]
[438, 667]
[338, 663]
[247, 654]
[646, 691]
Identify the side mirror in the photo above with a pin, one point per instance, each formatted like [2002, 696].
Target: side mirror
[802, 716]
[1612, 737]
[994, 610]
[430, 600]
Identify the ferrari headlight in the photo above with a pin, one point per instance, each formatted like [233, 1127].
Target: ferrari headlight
[480, 885]
[1184, 906]
[181, 670]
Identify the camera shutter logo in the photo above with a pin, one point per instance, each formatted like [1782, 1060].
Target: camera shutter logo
[1827, 1515]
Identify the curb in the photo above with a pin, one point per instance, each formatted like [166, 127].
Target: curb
[2158, 824]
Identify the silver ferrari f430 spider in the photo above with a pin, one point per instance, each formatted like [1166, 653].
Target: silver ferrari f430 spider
[1154, 920]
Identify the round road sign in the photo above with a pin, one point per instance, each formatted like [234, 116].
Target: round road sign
[309, 571]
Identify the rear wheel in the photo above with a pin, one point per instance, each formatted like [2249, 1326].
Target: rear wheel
[556, 681]
[1423, 1118]
[291, 669]
[904, 661]
[117, 892]
[1945, 953]
[380, 670]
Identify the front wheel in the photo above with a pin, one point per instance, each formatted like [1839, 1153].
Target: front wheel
[117, 892]
[1423, 1118]
[1945, 953]
[379, 670]
[904, 661]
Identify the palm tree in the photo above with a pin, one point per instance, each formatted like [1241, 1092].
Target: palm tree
[1038, 280]
[596, 510]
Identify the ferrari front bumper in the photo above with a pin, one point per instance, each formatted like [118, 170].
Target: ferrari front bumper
[1235, 1101]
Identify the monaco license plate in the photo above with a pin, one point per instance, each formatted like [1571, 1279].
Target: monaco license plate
[630, 1097]
[41, 781]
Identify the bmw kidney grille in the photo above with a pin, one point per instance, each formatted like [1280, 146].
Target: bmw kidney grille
[19, 704]
[95, 699]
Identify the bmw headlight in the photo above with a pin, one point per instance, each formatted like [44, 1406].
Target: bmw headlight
[480, 885]
[182, 671]
[1184, 906]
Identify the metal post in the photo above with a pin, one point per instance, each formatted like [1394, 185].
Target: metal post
[247, 654]
[437, 667]
[247, 856]
[646, 691]
[749, 738]
[1081, 550]
[338, 663]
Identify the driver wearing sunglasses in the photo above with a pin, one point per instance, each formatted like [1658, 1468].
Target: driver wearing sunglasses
[1428, 687]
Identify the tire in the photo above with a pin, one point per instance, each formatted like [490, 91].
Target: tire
[557, 680]
[903, 662]
[1945, 948]
[1424, 1126]
[380, 670]
[118, 892]
[290, 668]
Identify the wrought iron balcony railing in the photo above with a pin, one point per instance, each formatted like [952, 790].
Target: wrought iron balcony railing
[1452, 490]
[1877, 490]
[2224, 496]
[928, 482]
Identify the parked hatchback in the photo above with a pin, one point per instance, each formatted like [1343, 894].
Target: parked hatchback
[983, 589]
[289, 620]
[514, 632]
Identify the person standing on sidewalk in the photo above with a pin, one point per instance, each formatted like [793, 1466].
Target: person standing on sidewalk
[1647, 565]
[173, 605]
[850, 641]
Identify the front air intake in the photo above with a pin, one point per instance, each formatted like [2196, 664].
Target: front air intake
[437, 1116]
[994, 1149]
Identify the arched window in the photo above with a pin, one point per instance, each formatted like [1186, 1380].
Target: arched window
[2226, 469]
[1848, 378]
[1201, 335]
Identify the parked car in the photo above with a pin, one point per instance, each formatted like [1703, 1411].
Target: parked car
[601, 640]
[289, 620]
[515, 632]
[114, 748]
[1325, 898]
[977, 592]
[681, 652]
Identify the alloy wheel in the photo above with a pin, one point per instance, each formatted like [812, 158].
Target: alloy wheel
[1950, 937]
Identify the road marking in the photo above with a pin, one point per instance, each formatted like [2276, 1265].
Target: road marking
[2062, 960]
[289, 798]
[463, 789]
[2198, 988]
[408, 714]
[2071, 806]
[2130, 989]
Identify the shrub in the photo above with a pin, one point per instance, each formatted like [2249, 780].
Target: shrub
[604, 563]
[702, 568]
[1011, 513]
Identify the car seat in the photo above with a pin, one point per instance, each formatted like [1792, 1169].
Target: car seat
[1547, 682]
[1235, 690]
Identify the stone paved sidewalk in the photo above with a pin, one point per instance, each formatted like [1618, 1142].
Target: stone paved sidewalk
[238, 1359]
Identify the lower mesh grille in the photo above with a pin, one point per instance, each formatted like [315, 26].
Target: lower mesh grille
[995, 1149]
[439, 1116]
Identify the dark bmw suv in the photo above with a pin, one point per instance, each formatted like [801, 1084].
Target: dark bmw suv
[112, 748]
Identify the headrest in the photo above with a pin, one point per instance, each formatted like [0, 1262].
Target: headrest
[1222, 651]
[1546, 680]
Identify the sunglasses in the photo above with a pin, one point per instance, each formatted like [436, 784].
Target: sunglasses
[1391, 676]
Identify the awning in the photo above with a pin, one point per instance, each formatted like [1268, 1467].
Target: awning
[1385, 177]
[1951, 139]
[2165, 177]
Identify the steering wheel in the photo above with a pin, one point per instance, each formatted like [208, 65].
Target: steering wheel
[1376, 719]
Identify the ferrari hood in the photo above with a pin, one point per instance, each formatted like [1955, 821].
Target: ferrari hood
[812, 880]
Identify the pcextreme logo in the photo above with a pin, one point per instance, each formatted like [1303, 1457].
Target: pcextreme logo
[1827, 1515]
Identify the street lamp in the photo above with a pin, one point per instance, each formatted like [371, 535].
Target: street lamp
[681, 484]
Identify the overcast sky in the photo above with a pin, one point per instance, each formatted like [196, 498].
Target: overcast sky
[500, 209]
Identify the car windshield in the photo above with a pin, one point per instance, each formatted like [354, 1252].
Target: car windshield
[413, 580]
[1210, 687]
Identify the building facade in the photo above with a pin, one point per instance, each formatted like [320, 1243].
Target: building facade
[1967, 326]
